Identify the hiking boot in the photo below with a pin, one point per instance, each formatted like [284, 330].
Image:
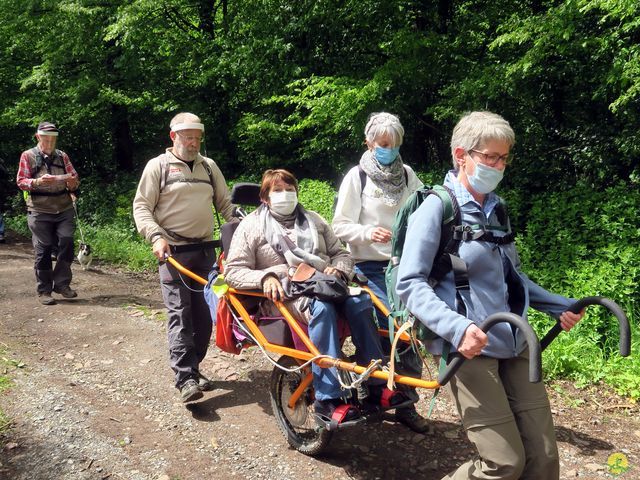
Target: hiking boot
[190, 391]
[204, 384]
[66, 292]
[1, 237]
[45, 298]
[410, 417]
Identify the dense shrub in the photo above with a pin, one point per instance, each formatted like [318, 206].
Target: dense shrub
[580, 243]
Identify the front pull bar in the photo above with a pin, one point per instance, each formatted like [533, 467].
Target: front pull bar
[535, 353]
[613, 307]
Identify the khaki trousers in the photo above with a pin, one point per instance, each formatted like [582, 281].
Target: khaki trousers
[507, 418]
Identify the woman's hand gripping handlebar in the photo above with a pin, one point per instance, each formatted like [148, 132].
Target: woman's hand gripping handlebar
[613, 307]
[535, 353]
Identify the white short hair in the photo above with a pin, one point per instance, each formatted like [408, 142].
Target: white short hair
[383, 123]
[475, 129]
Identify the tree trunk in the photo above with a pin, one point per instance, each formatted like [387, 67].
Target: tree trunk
[122, 140]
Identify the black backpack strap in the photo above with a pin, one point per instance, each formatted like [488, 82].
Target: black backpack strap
[502, 213]
[164, 172]
[37, 163]
[213, 187]
[363, 178]
[447, 258]
[449, 244]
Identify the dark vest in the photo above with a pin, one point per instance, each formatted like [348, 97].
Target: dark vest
[53, 198]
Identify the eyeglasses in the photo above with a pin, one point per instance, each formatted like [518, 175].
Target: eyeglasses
[189, 138]
[492, 159]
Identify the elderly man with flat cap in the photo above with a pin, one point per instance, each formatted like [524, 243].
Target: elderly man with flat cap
[172, 210]
[49, 179]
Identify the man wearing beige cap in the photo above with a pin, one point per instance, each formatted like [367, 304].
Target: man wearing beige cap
[49, 179]
[172, 210]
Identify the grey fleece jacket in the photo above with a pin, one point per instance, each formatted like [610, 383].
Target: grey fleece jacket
[496, 282]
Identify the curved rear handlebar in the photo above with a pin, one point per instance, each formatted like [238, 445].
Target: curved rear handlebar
[613, 307]
[535, 353]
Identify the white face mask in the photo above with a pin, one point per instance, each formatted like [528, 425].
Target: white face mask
[484, 179]
[283, 203]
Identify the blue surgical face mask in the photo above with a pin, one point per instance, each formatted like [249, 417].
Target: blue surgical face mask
[386, 156]
[485, 179]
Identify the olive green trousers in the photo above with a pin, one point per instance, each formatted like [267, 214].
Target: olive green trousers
[507, 418]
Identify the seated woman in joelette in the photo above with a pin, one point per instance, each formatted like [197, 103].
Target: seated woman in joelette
[281, 224]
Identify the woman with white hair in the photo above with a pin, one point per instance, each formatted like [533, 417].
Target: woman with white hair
[369, 198]
[506, 417]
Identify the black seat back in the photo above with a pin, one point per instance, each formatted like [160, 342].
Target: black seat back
[242, 193]
[226, 234]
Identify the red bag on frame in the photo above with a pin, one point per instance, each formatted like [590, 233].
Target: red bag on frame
[225, 340]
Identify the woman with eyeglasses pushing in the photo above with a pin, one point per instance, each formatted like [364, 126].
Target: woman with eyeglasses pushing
[506, 417]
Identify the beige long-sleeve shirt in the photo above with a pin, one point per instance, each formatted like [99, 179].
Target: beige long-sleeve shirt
[184, 204]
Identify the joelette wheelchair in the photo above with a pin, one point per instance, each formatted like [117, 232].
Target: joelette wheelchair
[291, 387]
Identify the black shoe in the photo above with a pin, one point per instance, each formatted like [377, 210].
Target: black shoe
[190, 391]
[66, 292]
[410, 417]
[204, 384]
[45, 298]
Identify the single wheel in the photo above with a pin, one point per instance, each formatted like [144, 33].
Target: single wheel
[298, 423]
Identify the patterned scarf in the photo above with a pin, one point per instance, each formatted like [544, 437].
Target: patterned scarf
[306, 250]
[390, 180]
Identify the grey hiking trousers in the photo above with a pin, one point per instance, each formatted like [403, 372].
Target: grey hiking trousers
[49, 230]
[507, 418]
[189, 323]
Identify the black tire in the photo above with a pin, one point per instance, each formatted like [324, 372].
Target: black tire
[298, 425]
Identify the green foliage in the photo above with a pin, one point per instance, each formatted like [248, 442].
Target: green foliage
[18, 223]
[113, 244]
[108, 202]
[318, 196]
[291, 83]
[582, 242]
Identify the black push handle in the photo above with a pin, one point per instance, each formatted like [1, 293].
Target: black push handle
[535, 353]
[625, 330]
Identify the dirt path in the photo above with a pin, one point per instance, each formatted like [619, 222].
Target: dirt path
[94, 400]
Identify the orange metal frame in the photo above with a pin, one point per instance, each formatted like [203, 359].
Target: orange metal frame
[302, 357]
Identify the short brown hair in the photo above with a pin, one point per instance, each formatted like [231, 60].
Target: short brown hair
[271, 176]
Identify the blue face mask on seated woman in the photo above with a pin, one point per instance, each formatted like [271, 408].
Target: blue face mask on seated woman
[386, 156]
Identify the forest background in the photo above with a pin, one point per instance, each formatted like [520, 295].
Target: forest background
[290, 83]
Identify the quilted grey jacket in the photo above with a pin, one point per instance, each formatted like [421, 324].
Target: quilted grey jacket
[250, 258]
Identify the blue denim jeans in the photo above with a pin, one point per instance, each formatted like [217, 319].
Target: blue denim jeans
[324, 333]
[374, 271]
[409, 363]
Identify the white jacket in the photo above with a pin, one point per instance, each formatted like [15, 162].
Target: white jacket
[359, 212]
